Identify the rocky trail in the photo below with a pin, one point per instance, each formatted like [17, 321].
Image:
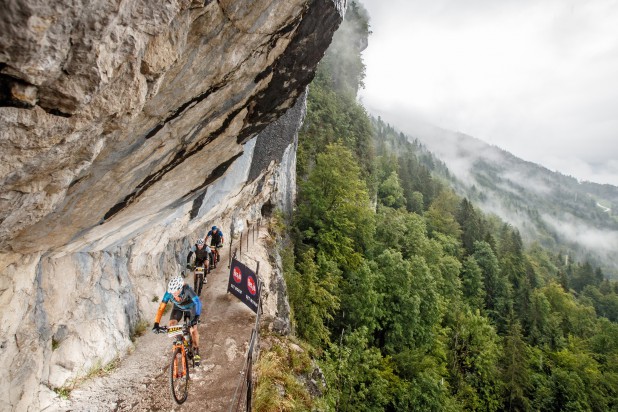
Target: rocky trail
[140, 382]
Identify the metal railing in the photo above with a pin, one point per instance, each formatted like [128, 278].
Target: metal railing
[248, 234]
[244, 388]
[243, 395]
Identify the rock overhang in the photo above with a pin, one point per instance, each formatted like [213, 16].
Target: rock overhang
[140, 107]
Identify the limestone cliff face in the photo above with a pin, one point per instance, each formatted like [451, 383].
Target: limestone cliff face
[126, 129]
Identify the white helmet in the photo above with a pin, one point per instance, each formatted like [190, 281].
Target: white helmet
[176, 283]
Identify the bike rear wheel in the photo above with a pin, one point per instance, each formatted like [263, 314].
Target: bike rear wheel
[216, 257]
[179, 376]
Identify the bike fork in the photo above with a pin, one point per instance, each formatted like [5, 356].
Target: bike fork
[178, 374]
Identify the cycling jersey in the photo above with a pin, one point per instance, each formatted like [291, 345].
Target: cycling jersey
[216, 237]
[200, 254]
[189, 302]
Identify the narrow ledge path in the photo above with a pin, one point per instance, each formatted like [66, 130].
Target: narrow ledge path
[140, 382]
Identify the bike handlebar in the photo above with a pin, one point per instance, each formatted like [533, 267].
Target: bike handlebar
[164, 329]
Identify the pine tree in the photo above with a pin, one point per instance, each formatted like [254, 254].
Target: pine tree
[471, 225]
[498, 301]
[515, 372]
[472, 283]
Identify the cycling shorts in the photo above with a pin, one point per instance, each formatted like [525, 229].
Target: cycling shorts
[201, 262]
[177, 314]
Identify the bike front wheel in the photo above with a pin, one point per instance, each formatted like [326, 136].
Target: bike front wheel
[196, 279]
[200, 284]
[179, 376]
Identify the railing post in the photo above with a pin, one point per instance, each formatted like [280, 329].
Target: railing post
[229, 262]
[260, 310]
[249, 382]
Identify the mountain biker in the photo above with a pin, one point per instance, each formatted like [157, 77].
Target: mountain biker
[216, 239]
[202, 255]
[186, 303]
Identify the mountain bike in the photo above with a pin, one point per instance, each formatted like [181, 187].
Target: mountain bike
[216, 257]
[182, 358]
[199, 277]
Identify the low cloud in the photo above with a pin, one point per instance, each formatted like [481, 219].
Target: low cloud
[602, 241]
[534, 78]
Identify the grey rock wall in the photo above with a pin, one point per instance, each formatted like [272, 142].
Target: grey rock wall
[133, 98]
[126, 130]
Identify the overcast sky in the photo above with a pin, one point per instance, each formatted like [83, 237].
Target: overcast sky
[538, 78]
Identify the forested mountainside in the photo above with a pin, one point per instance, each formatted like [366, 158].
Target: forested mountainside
[408, 297]
[578, 219]
[127, 129]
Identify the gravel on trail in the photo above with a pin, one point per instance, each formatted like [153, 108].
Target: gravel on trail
[140, 382]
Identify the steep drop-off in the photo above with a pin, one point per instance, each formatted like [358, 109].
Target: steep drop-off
[126, 129]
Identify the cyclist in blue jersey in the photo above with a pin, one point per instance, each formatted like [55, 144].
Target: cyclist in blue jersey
[186, 303]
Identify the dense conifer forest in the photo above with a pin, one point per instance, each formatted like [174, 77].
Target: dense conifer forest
[411, 299]
[564, 215]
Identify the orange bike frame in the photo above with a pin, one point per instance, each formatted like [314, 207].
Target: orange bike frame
[184, 358]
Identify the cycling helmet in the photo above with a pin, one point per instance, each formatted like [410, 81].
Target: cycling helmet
[175, 284]
[200, 241]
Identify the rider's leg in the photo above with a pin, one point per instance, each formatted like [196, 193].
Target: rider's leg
[215, 253]
[175, 316]
[197, 264]
[195, 336]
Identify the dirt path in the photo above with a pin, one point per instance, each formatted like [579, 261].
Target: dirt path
[141, 382]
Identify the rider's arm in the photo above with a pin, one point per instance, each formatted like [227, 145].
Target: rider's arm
[162, 305]
[195, 299]
[190, 254]
[198, 305]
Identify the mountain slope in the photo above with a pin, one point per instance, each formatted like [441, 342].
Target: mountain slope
[579, 219]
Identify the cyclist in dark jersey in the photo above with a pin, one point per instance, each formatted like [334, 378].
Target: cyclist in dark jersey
[216, 239]
[202, 255]
[186, 303]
